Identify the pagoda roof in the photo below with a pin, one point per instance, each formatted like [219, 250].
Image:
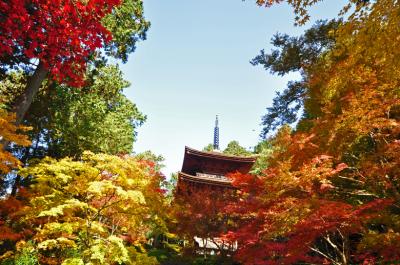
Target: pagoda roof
[216, 163]
[219, 155]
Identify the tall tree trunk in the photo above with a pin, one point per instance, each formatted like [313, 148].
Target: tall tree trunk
[24, 101]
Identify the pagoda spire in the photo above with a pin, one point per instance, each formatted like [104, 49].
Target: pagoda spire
[216, 134]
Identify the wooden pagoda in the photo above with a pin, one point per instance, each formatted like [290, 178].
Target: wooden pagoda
[203, 184]
[210, 169]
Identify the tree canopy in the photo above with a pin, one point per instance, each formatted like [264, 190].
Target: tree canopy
[329, 191]
[295, 54]
[95, 211]
[234, 148]
[97, 117]
[57, 40]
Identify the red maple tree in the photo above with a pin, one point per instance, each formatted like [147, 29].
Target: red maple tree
[57, 36]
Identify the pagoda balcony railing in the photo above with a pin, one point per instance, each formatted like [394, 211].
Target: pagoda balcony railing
[211, 176]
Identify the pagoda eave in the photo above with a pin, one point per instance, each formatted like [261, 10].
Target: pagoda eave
[205, 180]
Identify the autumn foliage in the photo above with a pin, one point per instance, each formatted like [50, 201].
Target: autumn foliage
[198, 212]
[96, 210]
[60, 34]
[325, 191]
[12, 133]
[330, 193]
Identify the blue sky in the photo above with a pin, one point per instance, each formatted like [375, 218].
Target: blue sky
[195, 65]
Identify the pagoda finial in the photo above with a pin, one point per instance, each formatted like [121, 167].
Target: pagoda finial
[216, 134]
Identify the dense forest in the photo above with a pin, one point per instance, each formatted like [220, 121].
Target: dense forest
[325, 188]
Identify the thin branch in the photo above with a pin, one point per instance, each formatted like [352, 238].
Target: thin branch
[351, 179]
[328, 239]
[324, 255]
